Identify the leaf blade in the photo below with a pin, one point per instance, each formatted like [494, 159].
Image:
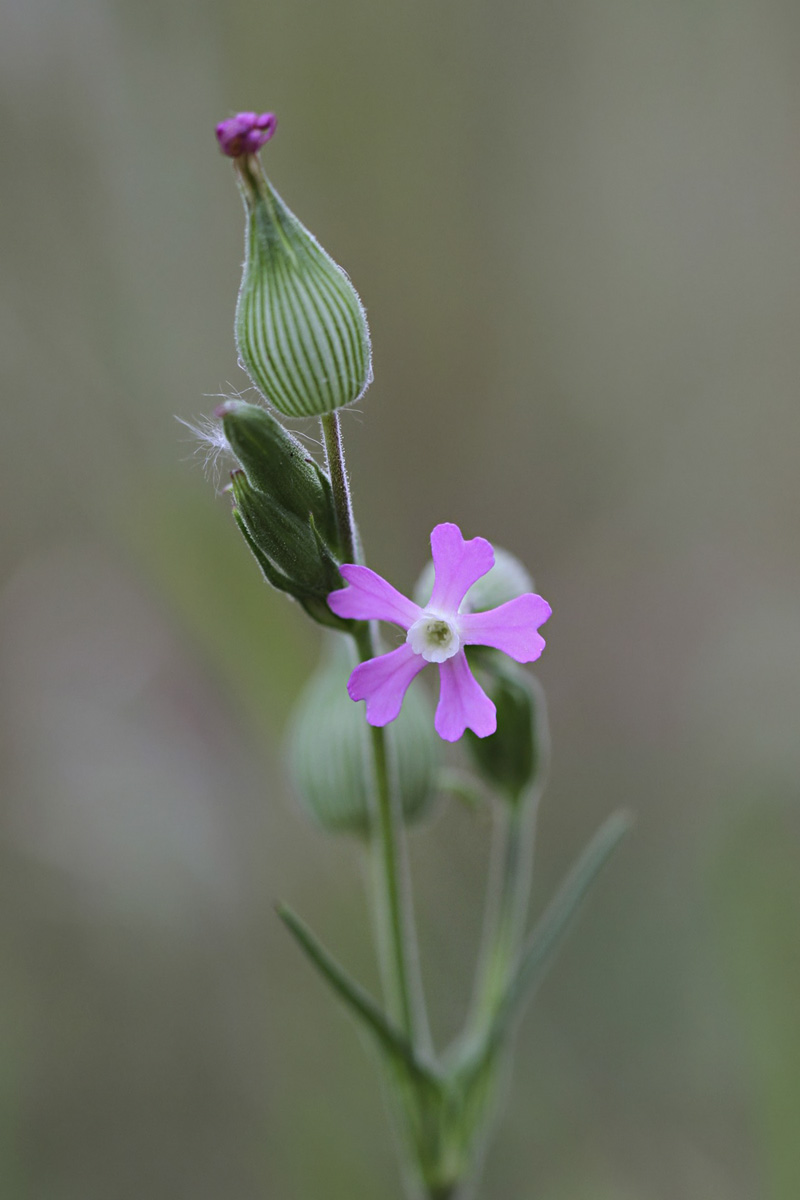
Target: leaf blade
[554, 922]
[357, 1000]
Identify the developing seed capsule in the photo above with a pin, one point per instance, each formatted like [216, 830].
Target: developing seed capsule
[329, 754]
[301, 329]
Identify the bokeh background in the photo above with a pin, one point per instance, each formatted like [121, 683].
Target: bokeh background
[576, 229]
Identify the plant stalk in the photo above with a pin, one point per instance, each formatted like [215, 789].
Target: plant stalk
[396, 931]
[340, 485]
[507, 904]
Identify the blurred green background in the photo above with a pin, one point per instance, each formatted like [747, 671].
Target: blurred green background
[576, 229]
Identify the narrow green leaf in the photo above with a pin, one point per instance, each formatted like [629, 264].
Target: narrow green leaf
[358, 1000]
[553, 924]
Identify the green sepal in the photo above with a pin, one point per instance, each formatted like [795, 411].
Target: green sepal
[317, 607]
[278, 465]
[359, 1002]
[513, 759]
[301, 329]
[292, 544]
[333, 579]
[272, 576]
[319, 611]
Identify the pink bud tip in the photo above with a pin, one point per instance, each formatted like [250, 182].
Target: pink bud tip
[224, 410]
[245, 133]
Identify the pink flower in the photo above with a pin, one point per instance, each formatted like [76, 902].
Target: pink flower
[245, 133]
[438, 634]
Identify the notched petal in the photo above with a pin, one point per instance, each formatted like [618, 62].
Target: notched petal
[463, 704]
[458, 564]
[370, 598]
[383, 683]
[512, 627]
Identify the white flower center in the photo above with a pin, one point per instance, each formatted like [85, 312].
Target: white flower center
[434, 637]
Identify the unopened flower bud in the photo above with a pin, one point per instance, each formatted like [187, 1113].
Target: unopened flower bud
[506, 580]
[277, 464]
[290, 551]
[514, 758]
[301, 329]
[329, 754]
[245, 133]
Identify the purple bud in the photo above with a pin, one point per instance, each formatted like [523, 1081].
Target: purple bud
[245, 133]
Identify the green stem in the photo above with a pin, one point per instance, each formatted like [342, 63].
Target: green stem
[397, 936]
[508, 894]
[334, 453]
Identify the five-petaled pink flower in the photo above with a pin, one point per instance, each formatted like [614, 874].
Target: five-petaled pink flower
[245, 133]
[438, 633]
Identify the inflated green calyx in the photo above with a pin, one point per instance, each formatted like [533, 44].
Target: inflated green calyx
[329, 752]
[301, 329]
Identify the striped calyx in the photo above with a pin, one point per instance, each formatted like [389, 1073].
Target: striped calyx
[301, 329]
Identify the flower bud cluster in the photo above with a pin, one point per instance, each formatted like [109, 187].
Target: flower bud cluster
[302, 336]
[284, 507]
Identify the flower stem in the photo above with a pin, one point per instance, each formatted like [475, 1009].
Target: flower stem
[396, 932]
[508, 893]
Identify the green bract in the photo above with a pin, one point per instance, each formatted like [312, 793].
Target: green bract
[329, 751]
[301, 329]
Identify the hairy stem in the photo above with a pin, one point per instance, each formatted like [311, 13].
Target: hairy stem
[397, 936]
[334, 453]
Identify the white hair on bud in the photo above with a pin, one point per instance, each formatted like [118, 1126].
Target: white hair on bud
[211, 445]
[249, 394]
